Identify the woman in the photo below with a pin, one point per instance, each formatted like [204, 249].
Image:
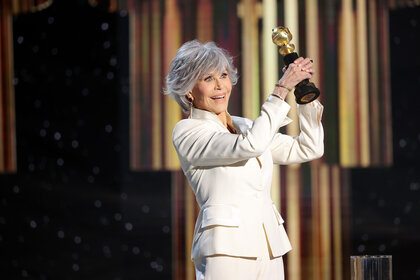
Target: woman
[228, 161]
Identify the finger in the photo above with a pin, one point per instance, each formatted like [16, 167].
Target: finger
[307, 60]
[305, 75]
[298, 60]
[308, 75]
[306, 63]
[284, 69]
[308, 69]
[293, 68]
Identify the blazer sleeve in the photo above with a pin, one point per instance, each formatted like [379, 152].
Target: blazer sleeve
[309, 145]
[197, 143]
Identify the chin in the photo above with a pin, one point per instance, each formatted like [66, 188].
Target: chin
[219, 110]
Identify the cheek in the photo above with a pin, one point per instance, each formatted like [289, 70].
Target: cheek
[229, 86]
[200, 92]
[206, 92]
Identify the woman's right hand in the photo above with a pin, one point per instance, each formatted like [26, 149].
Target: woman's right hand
[296, 72]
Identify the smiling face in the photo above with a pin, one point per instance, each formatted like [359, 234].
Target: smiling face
[212, 92]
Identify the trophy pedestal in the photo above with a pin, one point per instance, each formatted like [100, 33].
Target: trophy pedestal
[306, 92]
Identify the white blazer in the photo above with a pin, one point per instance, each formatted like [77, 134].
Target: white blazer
[230, 174]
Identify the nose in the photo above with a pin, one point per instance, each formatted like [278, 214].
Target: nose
[218, 83]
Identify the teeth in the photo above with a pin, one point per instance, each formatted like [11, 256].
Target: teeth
[218, 97]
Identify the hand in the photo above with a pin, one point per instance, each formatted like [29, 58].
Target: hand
[296, 72]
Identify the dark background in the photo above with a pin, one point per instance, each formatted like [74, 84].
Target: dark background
[74, 210]
[385, 202]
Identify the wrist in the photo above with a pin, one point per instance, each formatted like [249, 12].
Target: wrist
[280, 91]
[283, 85]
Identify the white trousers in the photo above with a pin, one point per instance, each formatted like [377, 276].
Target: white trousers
[225, 267]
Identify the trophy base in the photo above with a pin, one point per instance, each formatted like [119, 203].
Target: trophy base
[306, 92]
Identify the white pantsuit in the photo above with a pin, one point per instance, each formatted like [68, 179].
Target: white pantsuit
[222, 267]
[230, 175]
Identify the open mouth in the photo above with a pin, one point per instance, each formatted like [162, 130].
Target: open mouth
[219, 97]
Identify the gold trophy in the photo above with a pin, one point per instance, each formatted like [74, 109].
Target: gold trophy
[305, 91]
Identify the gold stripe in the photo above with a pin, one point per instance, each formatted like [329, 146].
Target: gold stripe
[15, 7]
[346, 86]
[270, 75]
[172, 116]
[336, 215]
[156, 87]
[386, 81]
[249, 12]
[172, 41]
[8, 147]
[10, 99]
[312, 36]
[293, 222]
[135, 141]
[293, 215]
[362, 73]
[374, 83]
[3, 19]
[113, 6]
[269, 50]
[144, 93]
[291, 20]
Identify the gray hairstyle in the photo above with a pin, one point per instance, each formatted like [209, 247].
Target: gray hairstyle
[193, 60]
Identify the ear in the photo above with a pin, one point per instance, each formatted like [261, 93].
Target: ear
[189, 97]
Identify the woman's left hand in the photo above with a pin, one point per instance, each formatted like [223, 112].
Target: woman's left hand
[304, 63]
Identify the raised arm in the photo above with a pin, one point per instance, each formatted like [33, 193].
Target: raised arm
[199, 144]
[309, 145]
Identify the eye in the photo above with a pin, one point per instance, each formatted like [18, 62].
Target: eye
[208, 78]
[224, 75]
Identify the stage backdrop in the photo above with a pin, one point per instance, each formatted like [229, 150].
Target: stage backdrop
[349, 42]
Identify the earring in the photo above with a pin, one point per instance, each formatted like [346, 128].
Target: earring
[190, 100]
[191, 108]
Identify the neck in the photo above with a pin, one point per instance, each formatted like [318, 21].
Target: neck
[223, 118]
[226, 121]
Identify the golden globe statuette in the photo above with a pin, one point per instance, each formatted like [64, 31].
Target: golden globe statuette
[305, 91]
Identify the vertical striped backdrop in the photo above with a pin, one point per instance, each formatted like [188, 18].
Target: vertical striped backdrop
[352, 73]
[348, 40]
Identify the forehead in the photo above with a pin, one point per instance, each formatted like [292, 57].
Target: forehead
[214, 71]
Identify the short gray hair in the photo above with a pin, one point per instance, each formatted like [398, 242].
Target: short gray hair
[193, 60]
